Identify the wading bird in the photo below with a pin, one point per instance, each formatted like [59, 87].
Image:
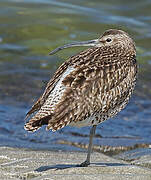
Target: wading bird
[89, 87]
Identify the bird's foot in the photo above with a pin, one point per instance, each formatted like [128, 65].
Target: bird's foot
[84, 164]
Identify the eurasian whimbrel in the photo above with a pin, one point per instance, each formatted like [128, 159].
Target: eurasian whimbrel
[89, 87]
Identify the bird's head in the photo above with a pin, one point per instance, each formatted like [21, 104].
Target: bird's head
[111, 38]
[116, 38]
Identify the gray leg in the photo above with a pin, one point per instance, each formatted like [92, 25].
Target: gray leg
[92, 133]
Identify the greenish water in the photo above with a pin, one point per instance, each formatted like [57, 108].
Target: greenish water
[29, 30]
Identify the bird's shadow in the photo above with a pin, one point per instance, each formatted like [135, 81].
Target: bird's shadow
[66, 166]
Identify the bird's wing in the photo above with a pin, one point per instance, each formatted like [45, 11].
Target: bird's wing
[87, 91]
[87, 88]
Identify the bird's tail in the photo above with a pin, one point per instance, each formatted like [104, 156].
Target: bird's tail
[34, 124]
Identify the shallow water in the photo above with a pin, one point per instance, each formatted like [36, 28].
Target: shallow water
[29, 30]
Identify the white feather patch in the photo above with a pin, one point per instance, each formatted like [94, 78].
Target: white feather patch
[56, 93]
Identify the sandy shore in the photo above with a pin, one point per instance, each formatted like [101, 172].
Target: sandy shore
[30, 164]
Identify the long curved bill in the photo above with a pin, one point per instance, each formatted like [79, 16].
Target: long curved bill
[94, 43]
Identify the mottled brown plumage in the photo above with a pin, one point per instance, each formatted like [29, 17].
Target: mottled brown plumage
[89, 87]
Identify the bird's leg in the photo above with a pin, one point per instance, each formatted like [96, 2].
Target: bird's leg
[87, 161]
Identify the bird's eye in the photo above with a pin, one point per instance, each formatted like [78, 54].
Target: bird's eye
[108, 40]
